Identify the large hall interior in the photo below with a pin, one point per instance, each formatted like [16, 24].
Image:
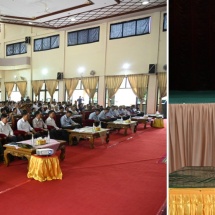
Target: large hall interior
[86, 55]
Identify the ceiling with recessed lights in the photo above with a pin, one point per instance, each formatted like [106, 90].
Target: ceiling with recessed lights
[56, 14]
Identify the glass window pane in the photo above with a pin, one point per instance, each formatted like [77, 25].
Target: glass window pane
[123, 83]
[23, 48]
[116, 31]
[129, 28]
[121, 99]
[143, 26]
[72, 38]
[16, 48]
[93, 35]
[37, 45]
[46, 43]
[165, 22]
[82, 36]
[9, 50]
[55, 42]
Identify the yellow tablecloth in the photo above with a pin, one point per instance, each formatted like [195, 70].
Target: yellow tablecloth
[191, 201]
[158, 123]
[44, 168]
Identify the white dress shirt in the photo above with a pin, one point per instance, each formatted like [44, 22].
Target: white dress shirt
[5, 129]
[24, 125]
[50, 121]
[38, 123]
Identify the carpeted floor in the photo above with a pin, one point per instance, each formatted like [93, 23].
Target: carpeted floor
[123, 177]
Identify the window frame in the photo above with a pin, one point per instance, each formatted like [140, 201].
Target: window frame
[13, 44]
[43, 38]
[122, 23]
[88, 29]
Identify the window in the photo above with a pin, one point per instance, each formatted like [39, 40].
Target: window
[164, 22]
[130, 99]
[46, 43]
[83, 36]
[130, 28]
[15, 95]
[79, 91]
[16, 48]
[44, 95]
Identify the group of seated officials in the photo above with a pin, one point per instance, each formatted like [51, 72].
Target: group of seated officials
[40, 128]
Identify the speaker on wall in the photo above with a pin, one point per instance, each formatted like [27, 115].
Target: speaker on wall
[28, 40]
[59, 75]
[152, 68]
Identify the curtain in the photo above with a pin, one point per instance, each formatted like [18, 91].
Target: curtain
[22, 87]
[90, 84]
[71, 84]
[113, 84]
[9, 87]
[191, 135]
[162, 87]
[139, 85]
[37, 86]
[51, 86]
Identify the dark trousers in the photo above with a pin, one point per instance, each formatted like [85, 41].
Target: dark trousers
[59, 135]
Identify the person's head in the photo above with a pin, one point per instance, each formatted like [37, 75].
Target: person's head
[3, 110]
[4, 118]
[97, 111]
[51, 114]
[38, 114]
[14, 111]
[61, 108]
[25, 115]
[68, 114]
[106, 110]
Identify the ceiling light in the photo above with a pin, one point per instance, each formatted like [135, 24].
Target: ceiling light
[30, 23]
[145, 2]
[126, 66]
[73, 19]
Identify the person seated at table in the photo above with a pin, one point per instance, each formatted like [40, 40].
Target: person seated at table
[56, 132]
[7, 131]
[61, 109]
[95, 116]
[113, 111]
[104, 118]
[67, 122]
[23, 125]
[38, 123]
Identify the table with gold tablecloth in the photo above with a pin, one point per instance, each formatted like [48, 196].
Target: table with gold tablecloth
[44, 168]
[158, 123]
[192, 191]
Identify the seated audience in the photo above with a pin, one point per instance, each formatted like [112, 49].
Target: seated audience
[23, 125]
[95, 115]
[56, 133]
[67, 122]
[6, 130]
[37, 122]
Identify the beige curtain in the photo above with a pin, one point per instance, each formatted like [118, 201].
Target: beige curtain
[71, 84]
[22, 85]
[9, 87]
[51, 86]
[162, 87]
[139, 84]
[191, 135]
[90, 84]
[37, 86]
[112, 84]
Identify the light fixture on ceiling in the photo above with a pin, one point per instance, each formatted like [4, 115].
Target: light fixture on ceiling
[73, 19]
[145, 2]
[30, 23]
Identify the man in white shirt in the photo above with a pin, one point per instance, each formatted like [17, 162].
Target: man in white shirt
[95, 115]
[56, 133]
[24, 125]
[6, 130]
[38, 121]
